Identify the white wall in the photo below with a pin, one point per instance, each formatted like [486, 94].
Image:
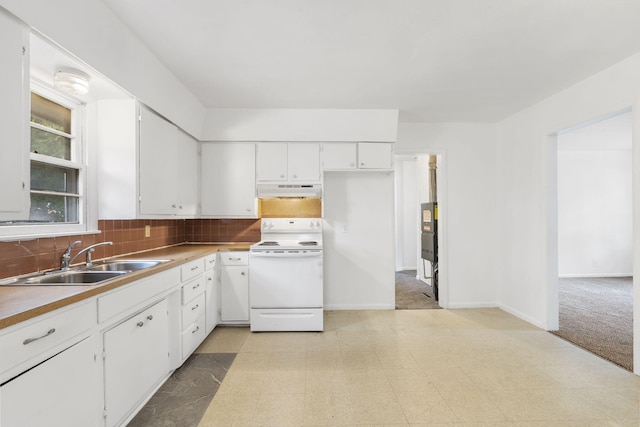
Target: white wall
[467, 205]
[89, 30]
[525, 160]
[237, 124]
[594, 213]
[407, 228]
[358, 241]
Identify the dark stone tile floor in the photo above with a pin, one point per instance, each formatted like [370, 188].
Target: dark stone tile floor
[184, 397]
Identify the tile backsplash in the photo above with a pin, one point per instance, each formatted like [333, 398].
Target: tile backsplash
[128, 236]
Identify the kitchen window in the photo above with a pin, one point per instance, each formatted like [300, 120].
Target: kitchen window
[57, 167]
[55, 162]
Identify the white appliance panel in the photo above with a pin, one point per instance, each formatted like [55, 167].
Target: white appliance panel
[293, 281]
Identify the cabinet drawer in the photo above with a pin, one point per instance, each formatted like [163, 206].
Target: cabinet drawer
[30, 341]
[136, 294]
[193, 289]
[234, 258]
[210, 261]
[192, 337]
[192, 269]
[193, 310]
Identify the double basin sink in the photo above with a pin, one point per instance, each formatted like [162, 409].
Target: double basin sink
[93, 275]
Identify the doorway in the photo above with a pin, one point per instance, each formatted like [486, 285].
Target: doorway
[595, 237]
[414, 282]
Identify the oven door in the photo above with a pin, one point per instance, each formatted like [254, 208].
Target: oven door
[285, 280]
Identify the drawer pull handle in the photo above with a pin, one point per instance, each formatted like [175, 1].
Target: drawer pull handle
[30, 340]
[150, 317]
[195, 330]
[235, 259]
[196, 286]
[210, 279]
[140, 324]
[195, 306]
[242, 273]
[194, 268]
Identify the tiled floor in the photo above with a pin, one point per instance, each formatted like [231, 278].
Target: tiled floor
[420, 368]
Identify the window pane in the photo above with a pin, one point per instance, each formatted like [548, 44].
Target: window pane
[52, 208]
[48, 113]
[53, 178]
[49, 144]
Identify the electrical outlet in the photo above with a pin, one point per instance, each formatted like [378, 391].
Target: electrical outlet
[147, 231]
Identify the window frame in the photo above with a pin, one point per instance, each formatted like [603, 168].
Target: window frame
[87, 218]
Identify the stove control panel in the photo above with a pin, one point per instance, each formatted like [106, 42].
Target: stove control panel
[292, 225]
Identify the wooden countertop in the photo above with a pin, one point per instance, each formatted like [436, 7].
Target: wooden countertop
[20, 303]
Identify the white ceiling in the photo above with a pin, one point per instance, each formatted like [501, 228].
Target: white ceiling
[434, 60]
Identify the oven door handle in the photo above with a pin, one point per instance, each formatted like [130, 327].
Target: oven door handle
[287, 254]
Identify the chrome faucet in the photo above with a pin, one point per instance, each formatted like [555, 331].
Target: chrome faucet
[67, 259]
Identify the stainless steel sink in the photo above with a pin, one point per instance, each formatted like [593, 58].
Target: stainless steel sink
[78, 276]
[71, 278]
[124, 265]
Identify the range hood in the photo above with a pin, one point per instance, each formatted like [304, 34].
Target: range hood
[289, 190]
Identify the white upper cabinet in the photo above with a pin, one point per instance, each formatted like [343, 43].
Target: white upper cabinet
[288, 162]
[357, 156]
[373, 155]
[188, 172]
[340, 156]
[159, 185]
[14, 120]
[147, 167]
[271, 163]
[228, 180]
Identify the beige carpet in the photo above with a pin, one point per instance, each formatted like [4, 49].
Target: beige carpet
[413, 294]
[597, 315]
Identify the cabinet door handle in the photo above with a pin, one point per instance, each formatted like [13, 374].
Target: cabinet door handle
[195, 330]
[150, 317]
[196, 286]
[195, 306]
[30, 340]
[210, 279]
[242, 273]
[194, 268]
[140, 324]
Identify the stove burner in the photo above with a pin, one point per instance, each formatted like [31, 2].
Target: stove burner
[309, 243]
[269, 243]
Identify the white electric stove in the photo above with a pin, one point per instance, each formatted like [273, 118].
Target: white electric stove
[285, 276]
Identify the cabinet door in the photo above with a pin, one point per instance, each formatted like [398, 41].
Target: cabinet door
[228, 174]
[339, 156]
[271, 161]
[234, 301]
[212, 294]
[188, 162]
[136, 357]
[14, 120]
[158, 168]
[374, 155]
[62, 391]
[304, 162]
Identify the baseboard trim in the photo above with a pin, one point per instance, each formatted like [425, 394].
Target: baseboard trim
[580, 275]
[522, 316]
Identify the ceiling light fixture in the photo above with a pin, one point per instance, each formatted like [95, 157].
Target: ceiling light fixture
[72, 81]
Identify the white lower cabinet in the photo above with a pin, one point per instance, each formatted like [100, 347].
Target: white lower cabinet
[193, 315]
[212, 295]
[234, 287]
[136, 358]
[62, 391]
[97, 362]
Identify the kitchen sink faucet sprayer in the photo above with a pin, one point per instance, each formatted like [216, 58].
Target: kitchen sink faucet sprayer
[67, 259]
